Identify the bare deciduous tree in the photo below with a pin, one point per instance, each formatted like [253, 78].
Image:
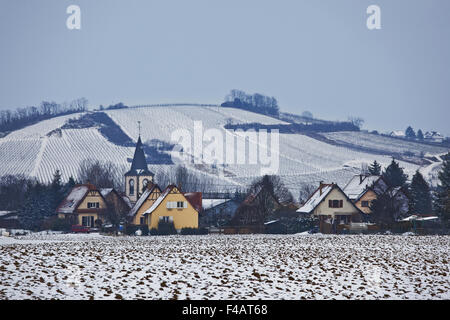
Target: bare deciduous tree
[102, 174]
[185, 179]
[305, 191]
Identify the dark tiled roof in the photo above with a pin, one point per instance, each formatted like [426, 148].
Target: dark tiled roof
[195, 199]
[139, 164]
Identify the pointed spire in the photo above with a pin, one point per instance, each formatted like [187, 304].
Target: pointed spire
[139, 163]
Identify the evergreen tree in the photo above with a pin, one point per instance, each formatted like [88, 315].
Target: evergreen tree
[420, 195]
[71, 183]
[385, 210]
[394, 175]
[56, 191]
[409, 133]
[375, 168]
[36, 208]
[41, 202]
[420, 135]
[442, 200]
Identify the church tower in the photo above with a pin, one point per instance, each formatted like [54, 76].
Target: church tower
[137, 179]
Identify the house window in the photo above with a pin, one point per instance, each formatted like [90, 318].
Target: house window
[176, 204]
[93, 205]
[335, 203]
[180, 204]
[145, 183]
[131, 187]
[365, 204]
[142, 220]
[87, 221]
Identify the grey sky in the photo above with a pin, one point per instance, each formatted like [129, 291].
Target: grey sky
[315, 55]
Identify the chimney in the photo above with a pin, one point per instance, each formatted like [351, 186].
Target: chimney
[320, 187]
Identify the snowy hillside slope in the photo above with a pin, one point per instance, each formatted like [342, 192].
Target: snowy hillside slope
[382, 144]
[40, 149]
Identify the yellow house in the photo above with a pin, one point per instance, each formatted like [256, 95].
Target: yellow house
[332, 206]
[150, 195]
[85, 205]
[365, 201]
[363, 189]
[172, 206]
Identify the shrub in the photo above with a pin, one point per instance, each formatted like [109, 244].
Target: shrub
[56, 224]
[164, 229]
[193, 231]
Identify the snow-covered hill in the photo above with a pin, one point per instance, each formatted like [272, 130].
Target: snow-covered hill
[40, 149]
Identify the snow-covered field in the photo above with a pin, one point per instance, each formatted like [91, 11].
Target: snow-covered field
[225, 267]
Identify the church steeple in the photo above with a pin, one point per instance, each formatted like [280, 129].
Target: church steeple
[139, 176]
[139, 163]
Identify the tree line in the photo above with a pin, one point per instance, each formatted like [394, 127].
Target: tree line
[36, 202]
[21, 117]
[256, 103]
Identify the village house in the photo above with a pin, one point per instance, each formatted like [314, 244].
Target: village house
[218, 212]
[363, 189]
[397, 134]
[251, 214]
[117, 205]
[172, 206]
[433, 136]
[84, 205]
[332, 207]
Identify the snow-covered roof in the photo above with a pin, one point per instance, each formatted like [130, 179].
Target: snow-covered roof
[316, 198]
[356, 187]
[433, 134]
[71, 202]
[4, 213]
[141, 200]
[211, 203]
[271, 222]
[105, 191]
[417, 218]
[397, 133]
[159, 200]
[127, 201]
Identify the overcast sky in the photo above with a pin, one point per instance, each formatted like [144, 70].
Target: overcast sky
[315, 55]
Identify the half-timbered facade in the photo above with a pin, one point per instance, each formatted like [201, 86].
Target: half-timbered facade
[150, 195]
